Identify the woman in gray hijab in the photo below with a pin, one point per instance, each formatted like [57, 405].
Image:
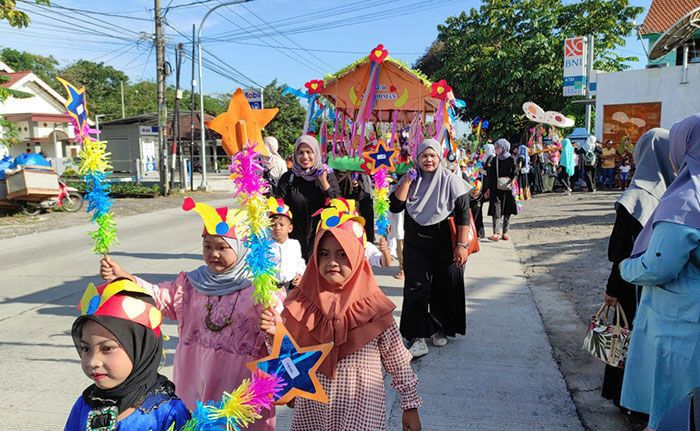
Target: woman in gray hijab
[433, 301]
[498, 183]
[653, 175]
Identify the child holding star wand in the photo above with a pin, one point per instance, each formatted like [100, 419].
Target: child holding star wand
[216, 313]
[338, 300]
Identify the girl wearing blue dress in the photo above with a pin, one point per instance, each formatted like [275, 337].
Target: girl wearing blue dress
[120, 345]
[663, 364]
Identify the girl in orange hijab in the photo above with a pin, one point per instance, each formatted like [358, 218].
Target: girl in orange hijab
[338, 300]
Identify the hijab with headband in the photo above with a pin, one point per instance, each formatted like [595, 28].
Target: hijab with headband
[350, 315]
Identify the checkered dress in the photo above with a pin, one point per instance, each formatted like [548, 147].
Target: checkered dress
[357, 397]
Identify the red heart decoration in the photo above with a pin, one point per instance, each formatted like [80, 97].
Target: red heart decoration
[392, 89]
[188, 204]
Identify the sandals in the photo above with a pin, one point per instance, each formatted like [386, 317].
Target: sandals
[494, 237]
[505, 237]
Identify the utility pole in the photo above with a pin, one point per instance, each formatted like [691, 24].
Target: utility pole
[194, 82]
[176, 149]
[162, 114]
[589, 73]
[121, 84]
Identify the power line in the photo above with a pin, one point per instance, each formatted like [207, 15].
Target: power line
[287, 37]
[420, 6]
[331, 51]
[55, 5]
[241, 78]
[296, 59]
[340, 10]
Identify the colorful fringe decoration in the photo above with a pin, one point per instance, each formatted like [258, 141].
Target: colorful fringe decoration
[381, 201]
[238, 409]
[95, 167]
[246, 173]
[515, 190]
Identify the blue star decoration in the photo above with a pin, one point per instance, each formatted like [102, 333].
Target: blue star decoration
[380, 156]
[295, 366]
[76, 105]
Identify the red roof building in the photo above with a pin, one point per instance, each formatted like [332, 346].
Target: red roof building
[662, 15]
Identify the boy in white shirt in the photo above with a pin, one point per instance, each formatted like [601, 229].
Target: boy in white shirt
[378, 256]
[286, 252]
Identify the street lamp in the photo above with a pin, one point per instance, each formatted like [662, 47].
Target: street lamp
[204, 185]
[97, 122]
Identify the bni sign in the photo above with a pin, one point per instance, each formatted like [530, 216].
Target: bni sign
[575, 66]
[255, 98]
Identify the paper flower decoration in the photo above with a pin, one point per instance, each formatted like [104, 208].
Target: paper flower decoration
[315, 86]
[378, 54]
[95, 167]
[378, 157]
[296, 367]
[239, 110]
[381, 201]
[440, 90]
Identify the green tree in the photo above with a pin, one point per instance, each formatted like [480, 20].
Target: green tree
[14, 16]
[43, 67]
[101, 82]
[288, 123]
[509, 52]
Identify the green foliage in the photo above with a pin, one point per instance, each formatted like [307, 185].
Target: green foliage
[43, 67]
[101, 82]
[509, 52]
[16, 18]
[288, 123]
[119, 189]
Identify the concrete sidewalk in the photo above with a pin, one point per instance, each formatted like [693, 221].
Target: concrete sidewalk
[501, 375]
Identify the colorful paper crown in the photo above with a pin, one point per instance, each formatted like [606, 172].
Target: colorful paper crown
[219, 221]
[277, 207]
[109, 299]
[342, 213]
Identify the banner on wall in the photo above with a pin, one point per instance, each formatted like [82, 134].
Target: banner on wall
[626, 123]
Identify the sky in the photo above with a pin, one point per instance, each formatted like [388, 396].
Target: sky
[247, 44]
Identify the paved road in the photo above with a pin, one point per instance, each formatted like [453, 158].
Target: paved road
[500, 376]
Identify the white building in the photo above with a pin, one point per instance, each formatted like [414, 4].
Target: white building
[41, 119]
[629, 103]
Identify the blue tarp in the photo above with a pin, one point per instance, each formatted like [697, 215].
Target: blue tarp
[6, 163]
[31, 159]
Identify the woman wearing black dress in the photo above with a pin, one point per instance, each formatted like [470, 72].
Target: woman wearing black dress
[635, 206]
[501, 200]
[433, 295]
[305, 189]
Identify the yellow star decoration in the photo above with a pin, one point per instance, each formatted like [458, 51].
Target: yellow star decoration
[239, 110]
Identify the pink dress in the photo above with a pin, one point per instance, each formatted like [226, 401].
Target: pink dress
[208, 363]
[356, 393]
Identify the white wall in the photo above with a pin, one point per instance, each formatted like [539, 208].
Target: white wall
[40, 103]
[650, 85]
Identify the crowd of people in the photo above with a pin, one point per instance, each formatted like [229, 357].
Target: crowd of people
[329, 292]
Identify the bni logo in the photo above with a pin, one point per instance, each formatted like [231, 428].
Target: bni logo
[573, 47]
